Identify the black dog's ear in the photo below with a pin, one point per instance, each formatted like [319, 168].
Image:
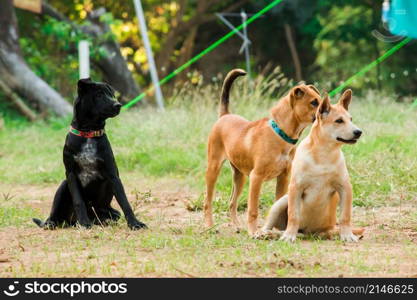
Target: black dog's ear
[84, 84]
[76, 108]
[110, 88]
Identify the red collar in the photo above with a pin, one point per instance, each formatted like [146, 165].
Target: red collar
[87, 134]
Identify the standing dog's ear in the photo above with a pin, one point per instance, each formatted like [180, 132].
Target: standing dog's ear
[314, 88]
[297, 93]
[345, 99]
[324, 107]
[83, 84]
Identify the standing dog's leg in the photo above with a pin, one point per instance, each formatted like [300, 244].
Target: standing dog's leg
[121, 198]
[345, 194]
[294, 210]
[79, 205]
[238, 183]
[255, 185]
[213, 170]
[282, 185]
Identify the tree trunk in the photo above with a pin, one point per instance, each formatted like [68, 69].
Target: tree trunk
[186, 51]
[294, 53]
[18, 103]
[16, 74]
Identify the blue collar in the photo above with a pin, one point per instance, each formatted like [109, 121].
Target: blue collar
[281, 133]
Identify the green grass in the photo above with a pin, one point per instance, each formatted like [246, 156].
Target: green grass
[163, 155]
[14, 216]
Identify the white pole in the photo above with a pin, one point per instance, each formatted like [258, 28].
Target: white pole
[151, 62]
[84, 59]
[245, 33]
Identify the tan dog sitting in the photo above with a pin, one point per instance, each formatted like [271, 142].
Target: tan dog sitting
[261, 149]
[319, 178]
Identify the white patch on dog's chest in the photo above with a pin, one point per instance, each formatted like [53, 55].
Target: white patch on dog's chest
[87, 161]
[318, 180]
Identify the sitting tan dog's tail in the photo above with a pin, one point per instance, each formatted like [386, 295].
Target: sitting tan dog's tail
[227, 84]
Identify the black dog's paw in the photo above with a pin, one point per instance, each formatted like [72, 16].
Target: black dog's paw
[86, 225]
[47, 225]
[136, 225]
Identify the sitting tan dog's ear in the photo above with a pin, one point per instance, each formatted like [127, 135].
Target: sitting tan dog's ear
[324, 107]
[345, 99]
[296, 93]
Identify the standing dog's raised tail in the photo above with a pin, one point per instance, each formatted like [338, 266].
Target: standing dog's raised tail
[227, 84]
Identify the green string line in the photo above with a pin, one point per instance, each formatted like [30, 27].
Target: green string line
[202, 53]
[370, 66]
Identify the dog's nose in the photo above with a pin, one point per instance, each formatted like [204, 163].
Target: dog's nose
[357, 133]
[117, 105]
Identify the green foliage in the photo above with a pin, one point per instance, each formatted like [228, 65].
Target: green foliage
[344, 33]
[68, 37]
[345, 43]
[45, 46]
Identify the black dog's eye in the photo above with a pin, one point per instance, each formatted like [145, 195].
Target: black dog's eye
[315, 103]
[100, 95]
[340, 121]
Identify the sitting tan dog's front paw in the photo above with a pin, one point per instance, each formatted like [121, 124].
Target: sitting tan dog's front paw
[266, 234]
[350, 237]
[288, 237]
[346, 235]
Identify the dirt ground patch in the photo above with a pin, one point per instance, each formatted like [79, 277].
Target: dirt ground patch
[177, 245]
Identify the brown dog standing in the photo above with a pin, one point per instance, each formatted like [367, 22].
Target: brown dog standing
[260, 149]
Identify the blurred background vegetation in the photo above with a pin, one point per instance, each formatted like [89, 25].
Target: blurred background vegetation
[332, 39]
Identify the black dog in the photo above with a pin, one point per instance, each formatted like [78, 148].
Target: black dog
[92, 177]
